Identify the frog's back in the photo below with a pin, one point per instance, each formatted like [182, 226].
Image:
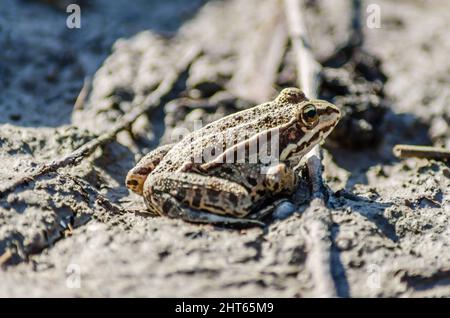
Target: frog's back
[232, 128]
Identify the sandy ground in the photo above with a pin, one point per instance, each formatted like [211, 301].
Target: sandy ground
[389, 233]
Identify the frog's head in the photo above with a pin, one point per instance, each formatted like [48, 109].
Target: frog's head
[311, 121]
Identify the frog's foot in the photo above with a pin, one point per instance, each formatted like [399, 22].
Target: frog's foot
[136, 177]
[174, 209]
[266, 211]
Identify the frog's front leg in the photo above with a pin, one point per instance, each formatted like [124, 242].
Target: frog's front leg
[136, 177]
[264, 186]
[281, 178]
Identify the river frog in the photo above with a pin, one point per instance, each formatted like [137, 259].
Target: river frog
[233, 168]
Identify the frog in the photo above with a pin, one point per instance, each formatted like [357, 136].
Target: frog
[220, 174]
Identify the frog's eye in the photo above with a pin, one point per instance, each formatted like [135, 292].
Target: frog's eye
[309, 115]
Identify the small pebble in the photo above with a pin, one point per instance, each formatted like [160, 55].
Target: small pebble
[284, 210]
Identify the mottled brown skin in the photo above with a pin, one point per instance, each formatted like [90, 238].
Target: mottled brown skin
[174, 183]
[136, 176]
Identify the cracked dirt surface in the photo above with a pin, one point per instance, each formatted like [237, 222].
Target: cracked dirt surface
[390, 219]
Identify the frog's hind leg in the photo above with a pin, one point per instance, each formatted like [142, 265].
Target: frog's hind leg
[206, 193]
[136, 177]
[174, 209]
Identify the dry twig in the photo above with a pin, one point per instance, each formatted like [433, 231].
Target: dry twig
[5, 257]
[81, 98]
[308, 76]
[356, 31]
[317, 218]
[409, 151]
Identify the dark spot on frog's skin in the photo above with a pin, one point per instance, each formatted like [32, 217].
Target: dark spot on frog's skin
[132, 183]
[228, 170]
[233, 199]
[260, 192]
[197, 199]
[213, 199]
[276, 187]
[166, 207]
[142, 171]
[293, 135]
[267, 120]
[290, 135]
[181, 193]
[252, 181]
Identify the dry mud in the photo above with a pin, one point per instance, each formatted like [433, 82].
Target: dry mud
[73, 233]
